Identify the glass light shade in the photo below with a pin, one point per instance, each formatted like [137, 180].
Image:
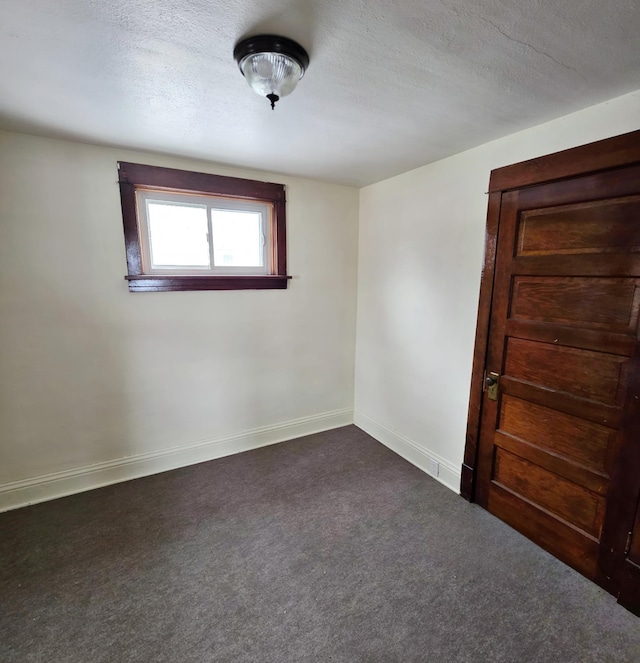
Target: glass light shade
[272, 65]
[271, 73]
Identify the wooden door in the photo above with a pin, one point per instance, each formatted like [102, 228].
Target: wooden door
[557, 451]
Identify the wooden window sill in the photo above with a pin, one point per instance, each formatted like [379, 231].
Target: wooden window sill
[167, 283]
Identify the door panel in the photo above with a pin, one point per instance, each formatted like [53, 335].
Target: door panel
[573, 440]
[563, 336]
[587, 303]
[564, 498]
[594, 376]
[594, 227]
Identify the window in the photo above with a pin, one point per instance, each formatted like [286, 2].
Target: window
[194, 231]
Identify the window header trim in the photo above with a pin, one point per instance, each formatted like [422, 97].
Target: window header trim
[187, 182]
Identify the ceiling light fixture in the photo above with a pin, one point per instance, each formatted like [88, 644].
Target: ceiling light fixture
[272, 65]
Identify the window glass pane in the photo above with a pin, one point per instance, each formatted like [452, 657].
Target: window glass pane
[237, 238]
[178, 235]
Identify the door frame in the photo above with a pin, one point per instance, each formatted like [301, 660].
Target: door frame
[607, 154]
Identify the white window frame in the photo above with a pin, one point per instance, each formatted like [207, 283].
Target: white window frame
[145, 196]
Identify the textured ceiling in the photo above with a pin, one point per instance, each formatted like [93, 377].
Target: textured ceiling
[391, 86]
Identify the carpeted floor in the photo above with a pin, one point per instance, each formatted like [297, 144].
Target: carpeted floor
[330, 548]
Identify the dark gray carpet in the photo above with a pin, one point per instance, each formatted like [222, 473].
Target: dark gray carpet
[328, 548]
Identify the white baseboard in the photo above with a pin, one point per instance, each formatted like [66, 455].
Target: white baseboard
[58, 484]
[448, 474]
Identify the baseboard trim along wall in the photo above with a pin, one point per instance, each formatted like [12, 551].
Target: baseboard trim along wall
[59, 484]
[446, 473]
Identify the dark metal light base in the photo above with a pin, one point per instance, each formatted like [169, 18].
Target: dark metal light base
[270, 44]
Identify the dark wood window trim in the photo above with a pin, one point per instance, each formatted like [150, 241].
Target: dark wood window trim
[133, 175]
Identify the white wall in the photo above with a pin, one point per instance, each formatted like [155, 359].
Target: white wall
[93, 374]
[420, 256]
